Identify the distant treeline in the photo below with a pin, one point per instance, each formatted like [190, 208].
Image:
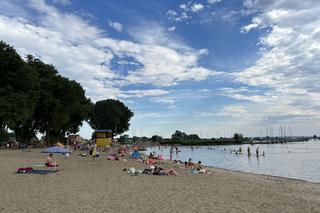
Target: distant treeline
[204, 142]
[181, 138]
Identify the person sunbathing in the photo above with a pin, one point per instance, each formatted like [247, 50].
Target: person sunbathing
[189, 164]
[170, 172]
[200, 169]
[160, 171]
[50, 162]
[198, 166]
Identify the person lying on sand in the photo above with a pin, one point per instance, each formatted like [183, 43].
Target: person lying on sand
[160, 171]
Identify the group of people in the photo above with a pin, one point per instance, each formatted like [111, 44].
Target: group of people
[196, 167]
[153, 156]
[257, 152]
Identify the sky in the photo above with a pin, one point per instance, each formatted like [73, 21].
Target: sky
[206, 67]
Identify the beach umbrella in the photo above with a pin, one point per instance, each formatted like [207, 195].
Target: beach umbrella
[56, 149]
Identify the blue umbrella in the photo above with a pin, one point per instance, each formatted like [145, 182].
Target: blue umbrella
[56, 149]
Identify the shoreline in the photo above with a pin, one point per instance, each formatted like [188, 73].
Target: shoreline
[266, 175]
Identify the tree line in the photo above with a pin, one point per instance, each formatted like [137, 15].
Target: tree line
[35, 98]
[182, 138]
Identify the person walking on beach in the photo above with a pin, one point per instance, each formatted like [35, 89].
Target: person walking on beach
[257, 152]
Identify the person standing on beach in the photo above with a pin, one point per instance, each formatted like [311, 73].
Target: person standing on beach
[248, 150]
[93, 151]
[257, 151]
[171, 153]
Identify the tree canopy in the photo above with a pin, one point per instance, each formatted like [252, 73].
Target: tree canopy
[110, 114]
[35, 98]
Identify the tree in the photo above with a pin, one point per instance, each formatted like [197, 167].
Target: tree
[156, 138]
[238, 137]
[61, 106]
[124, 139]
[34, 97]
[194, 137]
[19, 90]
[110, 114]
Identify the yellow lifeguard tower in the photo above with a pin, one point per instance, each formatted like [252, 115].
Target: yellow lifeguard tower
[103, 138]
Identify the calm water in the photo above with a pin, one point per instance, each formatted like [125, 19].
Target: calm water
[299, 160]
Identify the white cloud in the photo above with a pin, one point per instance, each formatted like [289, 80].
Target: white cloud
[244, 94]
[172, 14]
[145, 93]
[164, 100]
[288, 70]
[213, 1]
[204, 90]
[172, 28]
[63, 2]
[86, 55]
[115, 25]
[184, 6]
[197, 7]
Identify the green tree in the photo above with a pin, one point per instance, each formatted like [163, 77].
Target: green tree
[124, 139]
[156, 138]
[238, 138]
[193, 137]
[179, 137]
[62, 105]
[34, 97]
[19, 90]
[110, 114]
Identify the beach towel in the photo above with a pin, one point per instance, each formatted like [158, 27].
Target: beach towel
[30, 170]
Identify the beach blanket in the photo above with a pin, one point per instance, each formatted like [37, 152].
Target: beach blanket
[30, 170]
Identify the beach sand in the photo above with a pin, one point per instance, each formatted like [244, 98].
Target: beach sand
[82, 185]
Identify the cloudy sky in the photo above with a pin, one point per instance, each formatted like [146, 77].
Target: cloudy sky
[210, 67]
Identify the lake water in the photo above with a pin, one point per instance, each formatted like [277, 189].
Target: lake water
[299, 160]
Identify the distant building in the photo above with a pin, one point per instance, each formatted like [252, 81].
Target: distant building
[72, 139]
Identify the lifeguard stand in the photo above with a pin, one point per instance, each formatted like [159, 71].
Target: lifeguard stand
[103, 138]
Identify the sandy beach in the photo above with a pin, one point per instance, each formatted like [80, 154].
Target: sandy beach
[82, 185]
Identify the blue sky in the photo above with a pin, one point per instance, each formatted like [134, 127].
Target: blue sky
[210, 67]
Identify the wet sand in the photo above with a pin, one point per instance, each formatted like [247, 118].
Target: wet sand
[82, 185]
